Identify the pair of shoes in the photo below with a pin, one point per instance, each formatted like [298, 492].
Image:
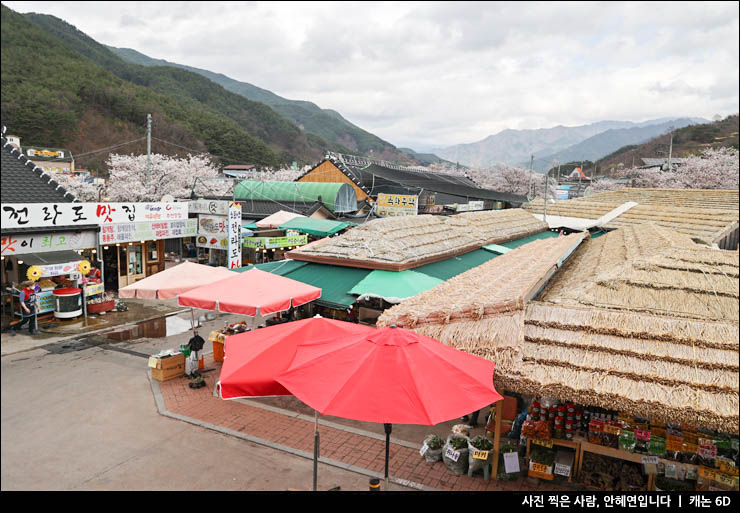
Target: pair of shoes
[13, 332]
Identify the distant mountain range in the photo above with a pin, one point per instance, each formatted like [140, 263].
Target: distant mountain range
[587, 142]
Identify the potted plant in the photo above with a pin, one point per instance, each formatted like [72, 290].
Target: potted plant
[434, 446]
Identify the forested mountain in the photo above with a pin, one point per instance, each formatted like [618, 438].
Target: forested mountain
[325, 123]
[61, 88]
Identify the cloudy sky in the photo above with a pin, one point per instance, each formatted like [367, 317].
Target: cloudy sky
[433, 74]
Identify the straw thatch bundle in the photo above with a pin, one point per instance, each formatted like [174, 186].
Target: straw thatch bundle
[500, 285]
[641, 320]
[706, 215]
[398, 243]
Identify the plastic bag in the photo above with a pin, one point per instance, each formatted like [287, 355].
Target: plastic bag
[476, 464]
[432, 455]
[456, 459]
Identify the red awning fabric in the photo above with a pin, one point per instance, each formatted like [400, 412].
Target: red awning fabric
[253, 359]
[250, 293]
[393, 376]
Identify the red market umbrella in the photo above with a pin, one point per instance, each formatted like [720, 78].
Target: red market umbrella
[390, 376]
[251, 293]
[253, 359]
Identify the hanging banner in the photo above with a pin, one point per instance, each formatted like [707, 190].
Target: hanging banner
[59, 269]
[235, 235]
[397, 205]
[275, 242]
[46, 215]
[132, 232]
[23, 244]
[212, 241]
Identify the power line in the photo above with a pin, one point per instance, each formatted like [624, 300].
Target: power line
[108, 148]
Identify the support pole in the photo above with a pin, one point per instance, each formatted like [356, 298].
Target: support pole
[497, 434]
[315, 449]
[388, 429]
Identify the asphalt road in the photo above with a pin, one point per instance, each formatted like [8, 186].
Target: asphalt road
[86, 420]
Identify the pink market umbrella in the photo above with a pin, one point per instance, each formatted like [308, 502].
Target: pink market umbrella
[251, 293]
[174, 281]
[391, 376]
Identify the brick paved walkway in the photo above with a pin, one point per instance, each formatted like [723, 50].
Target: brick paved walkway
[339, 446]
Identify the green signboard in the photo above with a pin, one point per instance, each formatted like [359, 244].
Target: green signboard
[275, 242]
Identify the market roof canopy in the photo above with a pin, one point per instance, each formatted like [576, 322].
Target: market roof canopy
[319, 227]
[641, 319]
[394, 287]
[251, 293]
[338, 197]
[174, 281]
[400, 243]
[277, 219]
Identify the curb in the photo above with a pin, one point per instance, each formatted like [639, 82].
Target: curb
[162, 410]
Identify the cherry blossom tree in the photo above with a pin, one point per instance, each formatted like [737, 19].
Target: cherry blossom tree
[83, 191]
[129, 180]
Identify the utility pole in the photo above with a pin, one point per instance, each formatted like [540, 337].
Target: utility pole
[558, 172]
[148, 147]
[670, 152]
[529, 189]
[547, 183]
[580, 174]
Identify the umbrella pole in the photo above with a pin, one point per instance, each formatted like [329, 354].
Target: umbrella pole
[192, 321]
[388, 428]
[315, 449]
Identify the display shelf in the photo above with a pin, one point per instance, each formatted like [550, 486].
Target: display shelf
[585, 446]
[570, 444]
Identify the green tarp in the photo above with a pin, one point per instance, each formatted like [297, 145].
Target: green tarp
[334, 281]
[394, 287]
[446, 269]
[338, 197]
[319, 227]
[512, 244]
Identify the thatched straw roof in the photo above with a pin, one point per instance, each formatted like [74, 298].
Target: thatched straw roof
[400, 243]
[640, 320]
[705, 215]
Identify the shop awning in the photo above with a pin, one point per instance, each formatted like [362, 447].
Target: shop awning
[394, 287]
[277, 219]
[52, 257]
[174, 281]
[450, 267]
[319, 227]
[334, 281]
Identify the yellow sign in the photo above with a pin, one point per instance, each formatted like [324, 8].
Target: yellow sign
[719, 477]
[543, 443]
[480, 455]
[45, 153]
[397, 205]
[539, 467]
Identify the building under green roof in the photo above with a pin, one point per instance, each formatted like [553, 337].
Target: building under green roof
[338, 197]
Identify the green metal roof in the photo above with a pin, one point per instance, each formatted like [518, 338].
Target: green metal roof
[334, 281]
[320, 227]
[394, 287]
[446, 269]
[338, 197]
[547, 234]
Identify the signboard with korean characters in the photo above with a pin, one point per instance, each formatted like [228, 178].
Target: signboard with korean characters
[212, 207]
[132, 232]
[23, 244]
[397, 205]
[275, 242]
[234, 233]
[47, 215]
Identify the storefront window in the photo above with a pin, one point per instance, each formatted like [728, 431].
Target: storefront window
[151, 251]
[135, 258]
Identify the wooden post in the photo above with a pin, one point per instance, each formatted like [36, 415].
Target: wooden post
[497, 434]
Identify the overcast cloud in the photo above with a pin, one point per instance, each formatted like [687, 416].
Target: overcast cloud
[426, 74]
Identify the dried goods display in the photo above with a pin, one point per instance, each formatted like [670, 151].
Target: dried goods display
[611, 474]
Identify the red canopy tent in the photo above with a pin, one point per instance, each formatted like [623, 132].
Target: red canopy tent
[251, 293]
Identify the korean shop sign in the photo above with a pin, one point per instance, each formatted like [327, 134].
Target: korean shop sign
[234, 233]
[131, 232]
[213, 207]
[397, 205]
[48, 215]
[275, 242]
[23, 244]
